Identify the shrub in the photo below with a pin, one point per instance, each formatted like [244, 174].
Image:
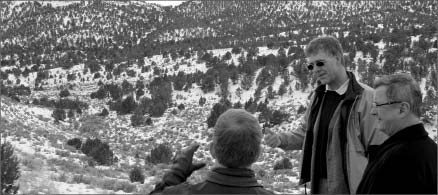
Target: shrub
[149, 121]
[71, 114]
[301, 109]
[66, 103]
[158, 107]
[64, 93]
[136, 175]
[59, 114]
[103, 154]
[99, 94]
[217, 110]
[202, 101]
[104, 112]
[137, 119]
[236, 50]
[89, 145]
[75, 142]
[20, 90]
[283, 164]
[99, 151]
[181, 107]
[160, 154]
[127, 106]
[10, 171]
[278, 117]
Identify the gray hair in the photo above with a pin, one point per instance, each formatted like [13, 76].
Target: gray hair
[237, 138]
[402, 87]
[329, 44]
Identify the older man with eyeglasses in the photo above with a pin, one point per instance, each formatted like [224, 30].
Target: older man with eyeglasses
[337, 128]
[406, 163]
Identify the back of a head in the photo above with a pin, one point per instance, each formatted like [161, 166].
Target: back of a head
[237, 138]
[326, 43]
[402, 87]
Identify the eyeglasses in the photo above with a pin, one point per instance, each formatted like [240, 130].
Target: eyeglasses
[317, 63]
[388, 103]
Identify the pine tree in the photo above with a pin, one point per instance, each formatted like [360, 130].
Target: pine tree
[161, 154]
[137, 118]
[59, 114]
[202, 101]
[283, 164]
[158, 107]
[282, 89]
[71, 114]
[127, 106]
[126, 87]
[104, 112]
[10, 171]
[136, 175]
[75, 142]
[64, 93]
[237, 105]
[217, 110]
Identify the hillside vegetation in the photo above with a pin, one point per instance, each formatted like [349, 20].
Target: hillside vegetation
[98, 96]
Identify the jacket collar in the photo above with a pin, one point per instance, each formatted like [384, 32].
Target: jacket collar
[354, 89]
[405, 135]
[410, 133]
[233, 177]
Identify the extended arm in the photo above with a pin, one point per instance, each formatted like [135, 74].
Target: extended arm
[180, 171]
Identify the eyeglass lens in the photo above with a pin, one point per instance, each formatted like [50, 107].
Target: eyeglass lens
[318, 63]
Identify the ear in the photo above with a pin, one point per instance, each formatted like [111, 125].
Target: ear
[213, 154]
[339, 59]
[405, 109]
[260, 152]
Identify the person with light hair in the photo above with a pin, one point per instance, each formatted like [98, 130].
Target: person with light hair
[406, 163]
[236, 145]
[337, 128]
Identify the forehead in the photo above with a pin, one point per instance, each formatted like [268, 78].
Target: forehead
[320, 55]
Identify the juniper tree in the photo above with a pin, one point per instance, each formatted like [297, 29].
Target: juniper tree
[10, 171]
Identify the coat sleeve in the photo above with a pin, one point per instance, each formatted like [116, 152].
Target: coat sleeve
[294, 140]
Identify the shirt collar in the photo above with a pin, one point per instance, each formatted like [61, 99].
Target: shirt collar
[341, 90]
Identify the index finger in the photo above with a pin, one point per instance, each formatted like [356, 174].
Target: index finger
[191, 150]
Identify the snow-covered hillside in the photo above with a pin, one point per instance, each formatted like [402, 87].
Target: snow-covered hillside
[239, 51]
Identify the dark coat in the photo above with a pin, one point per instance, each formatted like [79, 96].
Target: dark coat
[222, 181]
[405, 163]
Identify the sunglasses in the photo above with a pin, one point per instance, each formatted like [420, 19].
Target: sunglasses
[317, 63]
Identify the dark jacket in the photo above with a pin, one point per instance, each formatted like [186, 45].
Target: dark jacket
[405, 163]
[221, 181]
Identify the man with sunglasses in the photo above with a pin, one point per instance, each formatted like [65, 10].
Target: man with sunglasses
[337, 128]
[406, 163]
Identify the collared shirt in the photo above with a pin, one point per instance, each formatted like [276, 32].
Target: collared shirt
[341, 90]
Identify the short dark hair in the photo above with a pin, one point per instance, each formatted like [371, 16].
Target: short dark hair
[402, 87]
[327, 43]
[237, 138]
